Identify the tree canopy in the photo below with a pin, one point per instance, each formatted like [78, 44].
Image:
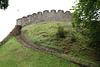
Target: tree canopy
[3, 4]
[87, 17]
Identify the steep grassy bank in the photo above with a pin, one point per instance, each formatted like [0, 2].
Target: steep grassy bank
[13, 54]
[74, 44]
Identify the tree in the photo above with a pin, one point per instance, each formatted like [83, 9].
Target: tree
[3, 4]
[87, 16]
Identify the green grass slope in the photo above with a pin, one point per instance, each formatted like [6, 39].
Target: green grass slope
[44, 33]
[13, 54]
[74, 44]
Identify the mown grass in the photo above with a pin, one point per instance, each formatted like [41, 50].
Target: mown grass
[13, 54]
[74, 44]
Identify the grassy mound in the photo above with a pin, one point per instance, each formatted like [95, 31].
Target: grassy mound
[45, 33]
[13, 54]
[73, 43]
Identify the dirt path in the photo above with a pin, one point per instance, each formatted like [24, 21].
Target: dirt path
[43, 50]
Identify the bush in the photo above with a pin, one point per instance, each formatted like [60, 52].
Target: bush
[73, 37]
[86, 16]
[60, 31]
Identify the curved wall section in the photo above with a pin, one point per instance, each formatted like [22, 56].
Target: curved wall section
[46, 16]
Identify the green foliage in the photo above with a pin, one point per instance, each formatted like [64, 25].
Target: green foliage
[87, 16]
[60, 31]
[4, 4]
[73, 36]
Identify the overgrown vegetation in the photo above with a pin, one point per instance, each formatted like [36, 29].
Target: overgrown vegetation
[87, 20]
[13, 54]
[73, 43]
[47, 33]
[60, 31]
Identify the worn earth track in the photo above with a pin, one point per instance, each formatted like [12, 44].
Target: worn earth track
[44, 50]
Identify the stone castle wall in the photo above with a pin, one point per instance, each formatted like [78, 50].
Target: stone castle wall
[46, 16]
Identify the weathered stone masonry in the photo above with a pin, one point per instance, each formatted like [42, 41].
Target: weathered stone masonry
[46, 16]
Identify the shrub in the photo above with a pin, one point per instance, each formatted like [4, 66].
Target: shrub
[73, 36]
[60, 31]
[86, 15]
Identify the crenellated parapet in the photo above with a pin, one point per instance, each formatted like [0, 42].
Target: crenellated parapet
[46, 16]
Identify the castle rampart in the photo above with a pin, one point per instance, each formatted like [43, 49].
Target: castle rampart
[46, 16]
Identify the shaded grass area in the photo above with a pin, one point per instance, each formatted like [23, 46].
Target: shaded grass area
[13, 54]
[74, 44]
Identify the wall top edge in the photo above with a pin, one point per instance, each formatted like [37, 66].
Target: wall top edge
[45, 11]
